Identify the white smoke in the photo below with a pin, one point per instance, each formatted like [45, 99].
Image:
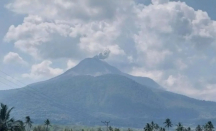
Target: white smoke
[103, 55]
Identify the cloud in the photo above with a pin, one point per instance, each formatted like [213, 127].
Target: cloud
[168, 41]
[43, 70]
[159, 1]
[71, 64]
[76, 10]
[14, 58]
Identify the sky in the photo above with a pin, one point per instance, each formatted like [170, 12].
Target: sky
[172, 42]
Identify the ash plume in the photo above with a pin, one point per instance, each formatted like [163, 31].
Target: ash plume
[103, 55]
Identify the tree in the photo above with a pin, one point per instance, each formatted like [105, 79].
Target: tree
[179, 127]
[148, 127]
[110, 128]
[40, 128]
[188, 129]
[18, 126]
[47, 124]
[117, 129]
[198, 128]
[7, 123]
[154, 126]
[208, 126]
[99, 129]
[162, 129]
[28, 123]
[168, 123]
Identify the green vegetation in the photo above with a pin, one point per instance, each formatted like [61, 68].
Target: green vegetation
[9, 124]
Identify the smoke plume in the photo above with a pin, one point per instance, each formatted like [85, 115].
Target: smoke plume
[103, 55]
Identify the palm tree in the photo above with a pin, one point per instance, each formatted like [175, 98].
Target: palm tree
[208, 126]
[5, 119]
[7, 123]
[18, 126]
[152, 125]
[148, 127]
[28, 123]
[47, 124]
[179, 127]
[189, 129]
[198, 128]
[162, 129]
[110, 128]
[156, 127]
[168, 123]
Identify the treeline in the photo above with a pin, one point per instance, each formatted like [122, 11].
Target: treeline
[9, 124]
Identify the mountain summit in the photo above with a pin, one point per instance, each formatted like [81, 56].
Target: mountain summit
[92, 66]
[97, 67]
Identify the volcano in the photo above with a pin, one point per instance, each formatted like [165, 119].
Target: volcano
[94, 91]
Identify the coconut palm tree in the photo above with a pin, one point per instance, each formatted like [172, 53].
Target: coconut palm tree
[47, 124]
[168, 123]
[198, 128]
[152, 125]
[156, 127]
[179, 127]
[162, 129]
[7, 123]
[187, 129]
[18, 126]
[148, 127]
[208, 126]
[28, 123]
[5, 119]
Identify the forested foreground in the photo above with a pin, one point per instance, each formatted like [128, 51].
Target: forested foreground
[7, 123]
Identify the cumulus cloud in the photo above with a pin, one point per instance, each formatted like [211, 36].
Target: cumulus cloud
[76, 10]
[159, 1]
[71, 64]
[14, 58]
[43, 70]
[168, 41]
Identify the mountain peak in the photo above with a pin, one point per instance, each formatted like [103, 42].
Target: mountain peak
[97, 67]
[92, 66]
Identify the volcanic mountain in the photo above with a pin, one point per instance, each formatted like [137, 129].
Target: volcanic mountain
[94, 91]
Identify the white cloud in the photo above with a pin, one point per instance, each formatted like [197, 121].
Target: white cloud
[154, 74]
[159, 1]
[69, 10]
[43, 70]
[71, 64]
[14, 58]
[167, 41]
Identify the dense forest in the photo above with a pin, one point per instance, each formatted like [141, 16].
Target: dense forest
[8, 123]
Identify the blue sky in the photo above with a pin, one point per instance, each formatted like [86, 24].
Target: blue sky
[172, 42]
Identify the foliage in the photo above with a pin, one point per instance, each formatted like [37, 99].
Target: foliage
[28, 123]
[198, 128]
[47, 124]
[168, 123]
[7, 123]
[39, 128]
[208, 126]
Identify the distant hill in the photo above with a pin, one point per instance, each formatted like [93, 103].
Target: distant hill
[94, 91]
